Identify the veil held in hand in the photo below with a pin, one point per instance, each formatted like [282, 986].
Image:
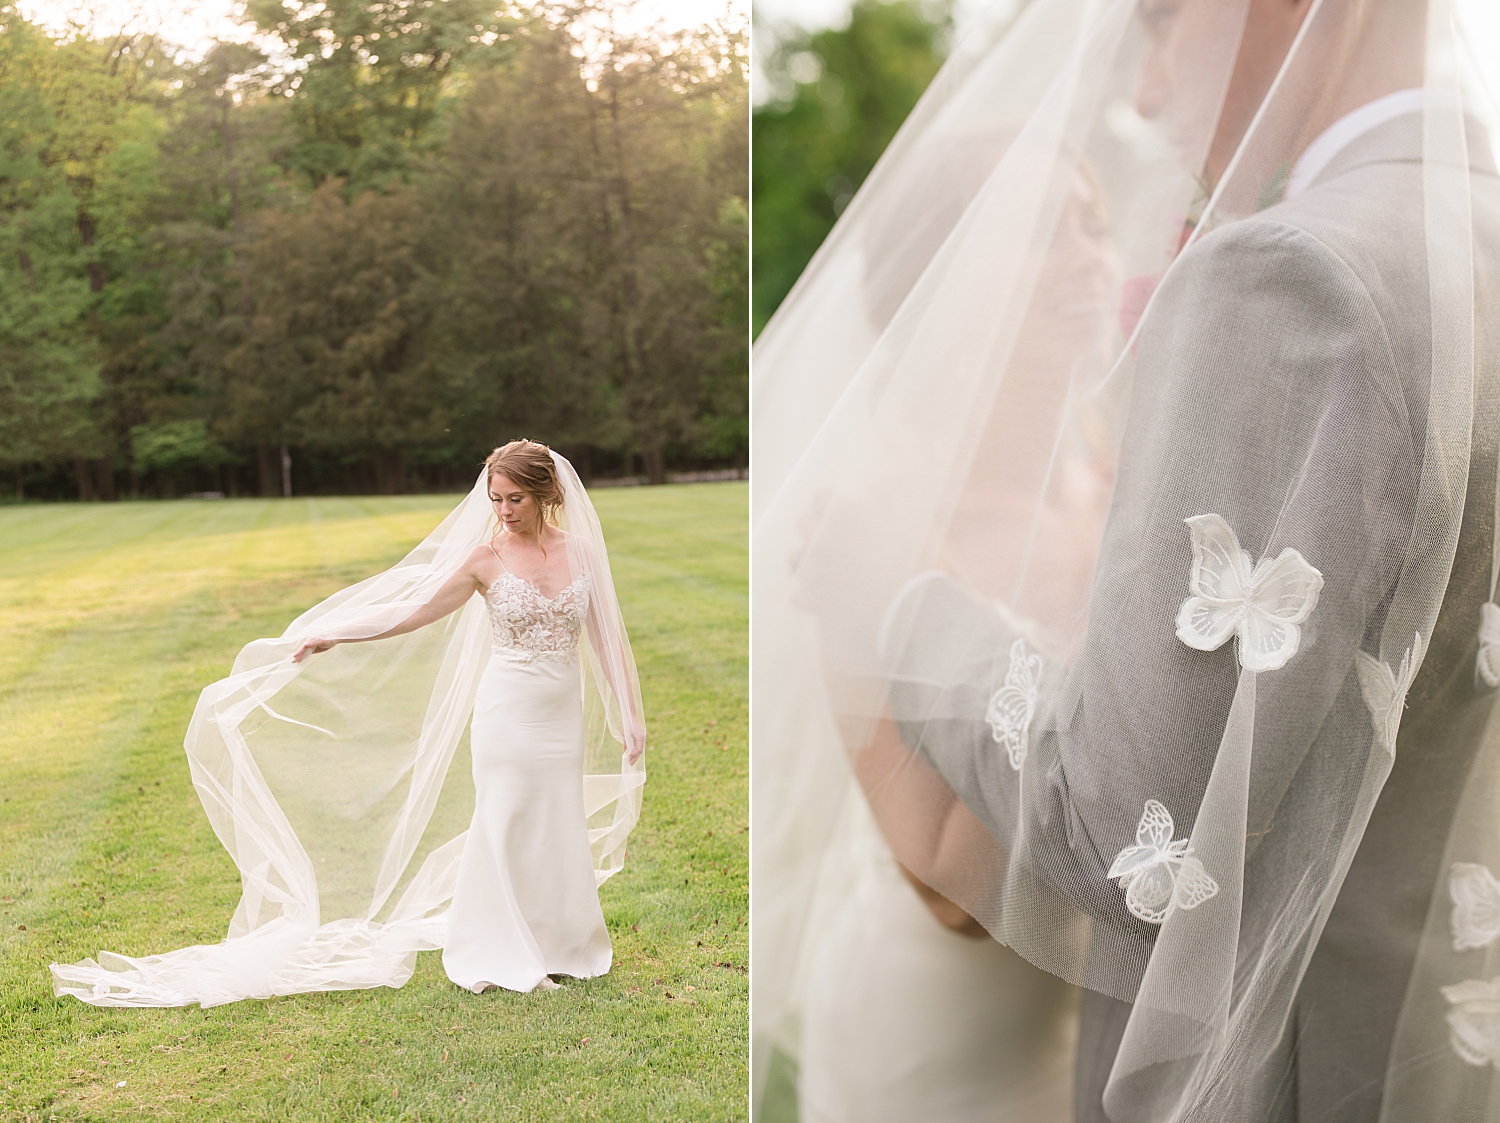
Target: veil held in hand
[341, 786]
[1124, 538]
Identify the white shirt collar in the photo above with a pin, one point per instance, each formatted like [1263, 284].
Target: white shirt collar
[1348, 128]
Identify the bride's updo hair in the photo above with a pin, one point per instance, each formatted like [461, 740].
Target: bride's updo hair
[528, 464]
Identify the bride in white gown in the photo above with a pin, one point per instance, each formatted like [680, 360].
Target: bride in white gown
[911, 1012]
[328, 778]
[526, 906]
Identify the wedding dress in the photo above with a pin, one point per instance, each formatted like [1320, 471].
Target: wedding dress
[525, 905]
[905, 1020]
[342, 788]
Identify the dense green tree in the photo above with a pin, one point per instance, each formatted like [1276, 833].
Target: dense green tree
[723, 424]
[423, 228]
[47, 365]
[330, 357]
[514, 189]
[843, 94]
[585, 219]
[78, 137]
[174, 448]
[367, 80]
[659, 220]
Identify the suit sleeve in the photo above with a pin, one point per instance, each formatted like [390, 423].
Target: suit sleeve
[1266, 393]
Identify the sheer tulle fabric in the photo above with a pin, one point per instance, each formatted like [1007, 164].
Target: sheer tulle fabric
[1126, 536]
[904, 1020]
[342, 788]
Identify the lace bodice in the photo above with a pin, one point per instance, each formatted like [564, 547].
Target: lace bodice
[529, 627]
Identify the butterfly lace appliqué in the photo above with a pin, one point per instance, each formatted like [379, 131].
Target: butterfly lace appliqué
[1012, 706]
[1261, 605]
[1474, 1021]
[1476, 905]
[1385, 690]
[1489, 643]
[1158, 874]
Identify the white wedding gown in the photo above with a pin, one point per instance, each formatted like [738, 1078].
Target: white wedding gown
[526, 903]
[906, 1021]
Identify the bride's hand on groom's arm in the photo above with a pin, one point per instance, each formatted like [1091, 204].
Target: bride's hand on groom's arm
[311, 646]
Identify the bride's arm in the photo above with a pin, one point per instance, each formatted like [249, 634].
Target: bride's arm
[454, 594]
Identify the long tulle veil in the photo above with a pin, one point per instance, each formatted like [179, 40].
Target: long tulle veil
[1125, 486]
[341, 788]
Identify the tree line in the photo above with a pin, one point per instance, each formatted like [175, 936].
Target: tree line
[836, 98]
[358, 259]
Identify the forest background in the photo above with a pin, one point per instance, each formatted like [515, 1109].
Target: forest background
[355, 256]
[828, 101]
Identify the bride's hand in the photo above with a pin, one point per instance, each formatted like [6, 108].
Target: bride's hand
[312, 646]
[635, 742]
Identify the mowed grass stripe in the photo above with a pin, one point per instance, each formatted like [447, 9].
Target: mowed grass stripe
[113, 617]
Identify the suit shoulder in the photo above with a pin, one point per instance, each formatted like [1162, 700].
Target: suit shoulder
[1263, 308]
[1273, 253]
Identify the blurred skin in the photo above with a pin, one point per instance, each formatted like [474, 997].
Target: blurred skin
[533, 550]
[1354, 54]
[1062, 339]
[1174, 90]
[1001, 543]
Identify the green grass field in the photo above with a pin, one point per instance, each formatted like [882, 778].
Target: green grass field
[114, 616]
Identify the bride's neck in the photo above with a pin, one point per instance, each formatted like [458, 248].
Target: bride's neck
[532, 537]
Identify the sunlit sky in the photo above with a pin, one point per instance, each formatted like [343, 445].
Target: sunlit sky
[193, 24]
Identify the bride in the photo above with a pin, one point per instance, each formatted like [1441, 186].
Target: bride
[343, 805]
[525, 907]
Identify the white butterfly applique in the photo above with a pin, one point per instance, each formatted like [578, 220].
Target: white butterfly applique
[1489, 643]
[1158, 874]
[1476, 905]
[1474, 1021]
[1385, 691]
[1012, 706]
[1261, 605]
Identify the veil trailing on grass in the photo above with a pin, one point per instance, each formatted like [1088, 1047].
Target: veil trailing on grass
[1124, 536]
[341, 785]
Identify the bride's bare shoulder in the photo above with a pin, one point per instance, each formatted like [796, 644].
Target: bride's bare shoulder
[480, 562]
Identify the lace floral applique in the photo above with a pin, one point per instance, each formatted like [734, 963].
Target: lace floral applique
[529, 627]
[1157, 874]
[1261, 605]
[1385, 691]
[1476, 905]
[1013, 705]
[1489, 643]
[1474, 1021]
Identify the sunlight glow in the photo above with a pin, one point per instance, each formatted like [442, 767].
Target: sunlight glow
[195, 24]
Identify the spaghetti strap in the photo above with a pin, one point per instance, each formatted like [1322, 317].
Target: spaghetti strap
[498, 558]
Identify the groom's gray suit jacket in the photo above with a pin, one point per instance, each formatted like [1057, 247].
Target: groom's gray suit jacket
[1269, 299]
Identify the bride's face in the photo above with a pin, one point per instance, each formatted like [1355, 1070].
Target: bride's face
[516, 508]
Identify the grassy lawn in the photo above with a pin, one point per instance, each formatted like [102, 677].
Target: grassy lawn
[114, 616]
